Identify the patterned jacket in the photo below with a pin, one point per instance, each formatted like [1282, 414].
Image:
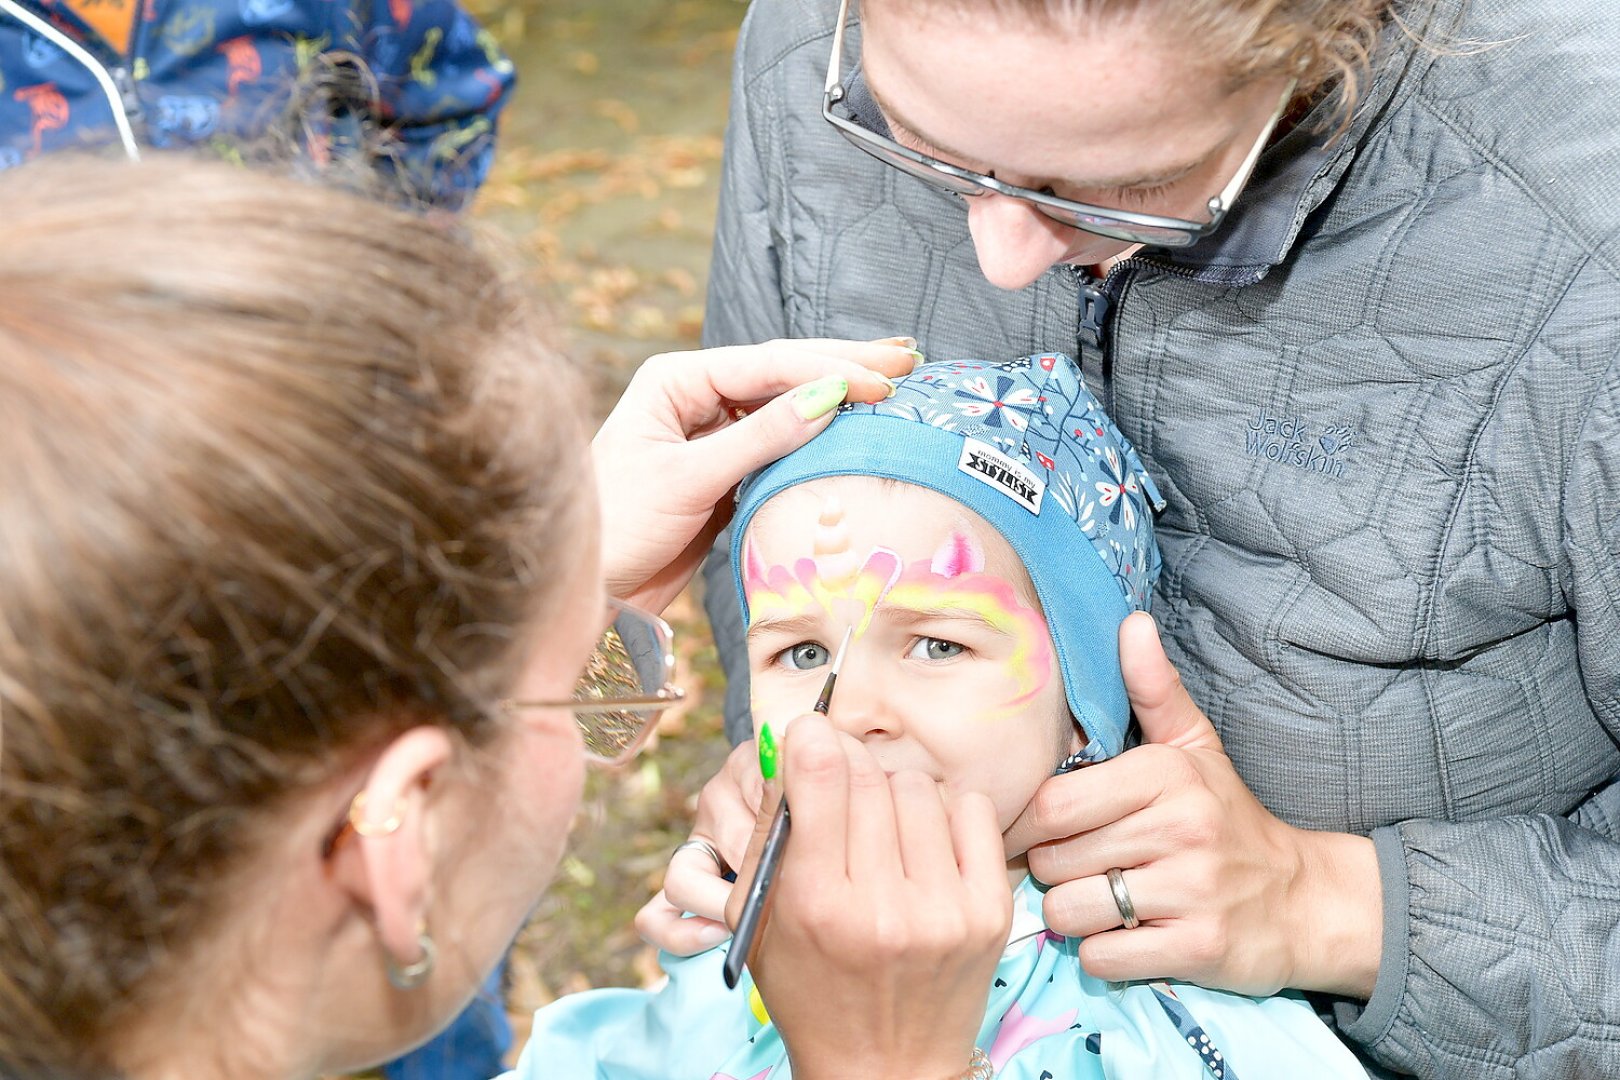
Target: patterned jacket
[1045, 1019]
[221, 73]
[1383, 405]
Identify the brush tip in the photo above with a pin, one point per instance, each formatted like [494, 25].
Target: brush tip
[843, 647]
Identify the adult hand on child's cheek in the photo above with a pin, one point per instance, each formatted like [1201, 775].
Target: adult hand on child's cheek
[1229, 895]
[726, 810]
[691, 425]
[889, 914]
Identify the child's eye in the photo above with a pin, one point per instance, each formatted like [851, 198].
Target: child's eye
[933, 648]
[804, 656]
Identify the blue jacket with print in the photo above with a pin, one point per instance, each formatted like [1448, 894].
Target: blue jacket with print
[220, 72]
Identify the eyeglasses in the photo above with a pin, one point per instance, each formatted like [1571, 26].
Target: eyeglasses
[616, 703]
[1154, 230]
[627, 683]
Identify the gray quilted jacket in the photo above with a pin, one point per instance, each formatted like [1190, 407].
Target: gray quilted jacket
[1383, 406]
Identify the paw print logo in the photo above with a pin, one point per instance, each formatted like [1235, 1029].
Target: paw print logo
[1337, 439]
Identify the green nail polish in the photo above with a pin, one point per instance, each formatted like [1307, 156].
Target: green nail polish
[917, 356]
[892, 387]
[817, 399]
[767, 752]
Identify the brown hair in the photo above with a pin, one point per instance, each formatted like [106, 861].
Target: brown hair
[1327, 44]
[281, 481]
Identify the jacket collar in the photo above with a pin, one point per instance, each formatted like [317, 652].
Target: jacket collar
[1298, 173]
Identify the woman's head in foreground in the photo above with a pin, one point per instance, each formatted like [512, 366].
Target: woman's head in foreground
[285, 517]
[982, 535]
[1147, 106]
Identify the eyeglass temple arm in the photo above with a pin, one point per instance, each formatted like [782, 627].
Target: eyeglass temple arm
[837, 49]
[1221, 203]
[667, 696]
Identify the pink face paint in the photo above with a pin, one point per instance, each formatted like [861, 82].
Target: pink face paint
[849, 601]
[831, 581]
[959, 554]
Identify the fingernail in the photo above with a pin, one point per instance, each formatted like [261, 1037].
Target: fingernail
[767, 750]
[903, 342]
[891, 385]
[817, 399]
[916, 356]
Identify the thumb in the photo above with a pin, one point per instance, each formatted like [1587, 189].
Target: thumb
[778, 427]
[1161, 703]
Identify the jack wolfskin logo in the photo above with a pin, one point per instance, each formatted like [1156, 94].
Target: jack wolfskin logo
[1285, 440]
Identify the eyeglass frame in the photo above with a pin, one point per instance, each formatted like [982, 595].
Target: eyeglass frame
[652, 705]
[1181, 232]
[647, 706]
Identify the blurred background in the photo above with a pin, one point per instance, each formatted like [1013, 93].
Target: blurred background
[605, 183]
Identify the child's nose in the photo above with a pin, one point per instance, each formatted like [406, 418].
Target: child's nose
[862, 703]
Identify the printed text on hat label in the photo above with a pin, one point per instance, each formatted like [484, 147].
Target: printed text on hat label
[1007, 475]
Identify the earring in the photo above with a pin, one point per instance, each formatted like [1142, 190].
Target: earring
[410, 976]
[357, 818]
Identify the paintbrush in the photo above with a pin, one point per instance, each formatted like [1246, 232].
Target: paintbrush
[775, 844]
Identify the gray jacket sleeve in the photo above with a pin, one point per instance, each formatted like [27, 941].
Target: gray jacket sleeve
[745, 298]
[1502, 938]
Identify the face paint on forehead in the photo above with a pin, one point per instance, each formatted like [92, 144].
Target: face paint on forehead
[831, 581]
[959, 554]
[930, 587]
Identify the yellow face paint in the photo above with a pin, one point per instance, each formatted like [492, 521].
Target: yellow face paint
[924, 591]
[850, 600]
[833, 585]
[831, 582]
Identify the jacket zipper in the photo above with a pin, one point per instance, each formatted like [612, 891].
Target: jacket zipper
[1099, 309]
[113, 79]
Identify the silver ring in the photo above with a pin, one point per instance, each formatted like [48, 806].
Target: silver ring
[704, 846]
[1122, 898]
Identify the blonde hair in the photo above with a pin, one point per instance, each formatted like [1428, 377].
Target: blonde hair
[285, 472]
[1328, 45]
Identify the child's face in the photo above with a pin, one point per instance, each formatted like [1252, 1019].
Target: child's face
[950, 670]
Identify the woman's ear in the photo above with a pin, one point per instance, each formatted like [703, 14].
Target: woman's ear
[388, 867]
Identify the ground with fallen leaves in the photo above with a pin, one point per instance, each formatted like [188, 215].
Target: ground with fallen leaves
[604, 189]
[606, 179]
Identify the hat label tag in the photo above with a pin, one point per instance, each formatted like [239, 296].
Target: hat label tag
[1007, 475]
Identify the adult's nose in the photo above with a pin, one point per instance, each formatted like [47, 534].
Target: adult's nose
[1016, 243]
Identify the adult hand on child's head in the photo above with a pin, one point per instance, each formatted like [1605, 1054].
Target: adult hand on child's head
[691, 425]
[1229, 896]
[726, 810]
[890, 911]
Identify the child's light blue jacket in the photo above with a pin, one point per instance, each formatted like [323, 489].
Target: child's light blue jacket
[1046, 1020]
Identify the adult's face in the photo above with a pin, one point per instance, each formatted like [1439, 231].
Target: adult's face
[1113, 113]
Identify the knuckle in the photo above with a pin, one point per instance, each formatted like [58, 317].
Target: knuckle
[1049, 807]
[1199, 830]
[1051, 863]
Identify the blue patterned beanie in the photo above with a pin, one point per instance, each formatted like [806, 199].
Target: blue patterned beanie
[1028, 448]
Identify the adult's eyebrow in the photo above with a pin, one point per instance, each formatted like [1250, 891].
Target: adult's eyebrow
[1125, 183]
